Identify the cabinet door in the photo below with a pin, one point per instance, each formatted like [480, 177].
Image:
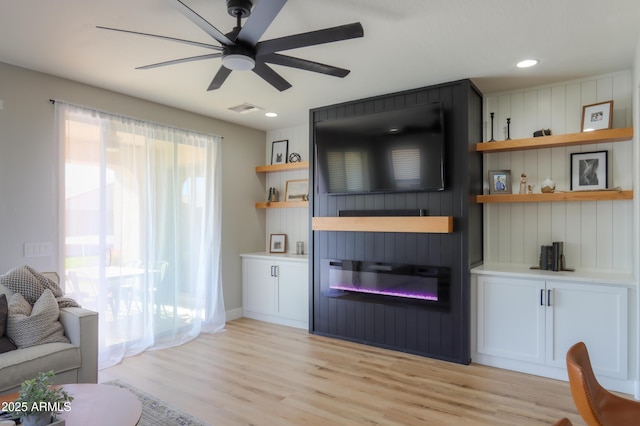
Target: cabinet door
[258, 286]
[511, 318]
[593, 314]
[293, 290]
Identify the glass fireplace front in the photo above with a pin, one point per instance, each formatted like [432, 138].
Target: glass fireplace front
[417, 283]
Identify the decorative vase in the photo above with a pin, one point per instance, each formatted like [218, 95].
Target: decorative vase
[38, 419]
[548, 185]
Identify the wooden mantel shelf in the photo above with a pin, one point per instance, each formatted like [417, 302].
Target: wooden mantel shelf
[419, 224]
[554, 141]
[556, 196]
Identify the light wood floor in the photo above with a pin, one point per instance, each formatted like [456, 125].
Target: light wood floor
[257, 373]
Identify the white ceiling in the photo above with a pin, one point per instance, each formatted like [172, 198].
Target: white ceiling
[406, 44]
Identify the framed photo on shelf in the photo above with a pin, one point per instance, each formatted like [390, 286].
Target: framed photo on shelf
[499, 181]
[589, 171]
[597, 116]
[279, 152]
[297, 190]
[277, 243]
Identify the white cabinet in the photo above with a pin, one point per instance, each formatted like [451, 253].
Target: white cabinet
[276, 288]
[510, 322]
[594, 314]
[525, 322]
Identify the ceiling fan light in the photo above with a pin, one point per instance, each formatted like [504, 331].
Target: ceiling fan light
[237, 62]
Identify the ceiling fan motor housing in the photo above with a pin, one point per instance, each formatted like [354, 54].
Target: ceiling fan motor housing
[238, 49]
[239, 8]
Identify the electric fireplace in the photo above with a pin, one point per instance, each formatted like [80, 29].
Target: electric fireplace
[386, 281]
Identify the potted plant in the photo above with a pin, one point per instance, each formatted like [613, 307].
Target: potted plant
[38, 401]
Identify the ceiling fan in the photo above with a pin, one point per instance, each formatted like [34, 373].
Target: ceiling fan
[241, 49]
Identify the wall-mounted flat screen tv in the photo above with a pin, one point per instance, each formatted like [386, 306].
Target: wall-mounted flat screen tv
[392, 151]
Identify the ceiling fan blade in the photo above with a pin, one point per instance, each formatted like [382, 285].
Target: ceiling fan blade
[270, 76]
[180, 61]
[219, 78]
[328, 35]
[261, 17]
[204, 25]
[179, 40]
[304, 64]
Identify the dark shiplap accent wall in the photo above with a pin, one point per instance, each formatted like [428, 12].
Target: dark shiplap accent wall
[437, 333]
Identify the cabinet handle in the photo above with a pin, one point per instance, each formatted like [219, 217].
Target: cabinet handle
[272, 271]
[548, 297]
[541, 297]
[275, 270]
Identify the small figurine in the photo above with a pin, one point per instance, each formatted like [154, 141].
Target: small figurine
[523, 183]
[530, 188]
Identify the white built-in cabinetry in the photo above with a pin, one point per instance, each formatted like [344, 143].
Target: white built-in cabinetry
[526, 321]
[275, 288]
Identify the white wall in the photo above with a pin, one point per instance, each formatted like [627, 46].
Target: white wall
[294, 222]
[596, 234]
[28, 169]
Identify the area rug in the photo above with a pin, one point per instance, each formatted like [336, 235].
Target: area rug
[156, 412]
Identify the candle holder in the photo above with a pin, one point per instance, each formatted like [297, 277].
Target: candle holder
[492, 139]
[508, 129]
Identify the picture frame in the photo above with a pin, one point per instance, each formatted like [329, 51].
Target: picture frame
[499, 181]
[597, 116]
[297, 190]
[277, 243]
[589, 170]
[279, 152]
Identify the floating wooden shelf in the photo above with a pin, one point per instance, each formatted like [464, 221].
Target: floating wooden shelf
[420, 224]
[282, 167]
[281, 204]
[556, 196]
[554, 141]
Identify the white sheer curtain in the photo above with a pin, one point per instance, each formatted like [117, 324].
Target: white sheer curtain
[141, 209]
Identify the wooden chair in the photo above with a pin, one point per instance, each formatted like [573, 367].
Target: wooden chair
[596, 405]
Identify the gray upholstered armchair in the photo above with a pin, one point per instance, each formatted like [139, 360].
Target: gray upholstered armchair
[74, 362]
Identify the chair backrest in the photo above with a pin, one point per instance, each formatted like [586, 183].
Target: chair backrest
[585, 389]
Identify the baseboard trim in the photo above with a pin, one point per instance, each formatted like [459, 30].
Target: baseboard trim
[558, 373]
[234, 314]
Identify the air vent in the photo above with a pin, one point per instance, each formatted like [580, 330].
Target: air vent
[245, 108]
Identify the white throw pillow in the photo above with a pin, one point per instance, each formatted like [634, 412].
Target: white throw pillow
[28, 326]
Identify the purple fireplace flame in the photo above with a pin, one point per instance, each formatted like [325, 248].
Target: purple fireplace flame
[391, 292]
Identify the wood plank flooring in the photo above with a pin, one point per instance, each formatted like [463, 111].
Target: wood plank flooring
[256, 373]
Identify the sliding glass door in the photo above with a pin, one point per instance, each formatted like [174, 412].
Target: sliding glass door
[142, 229]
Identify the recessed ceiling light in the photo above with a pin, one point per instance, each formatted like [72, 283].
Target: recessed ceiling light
[527, 63]
[270, 114]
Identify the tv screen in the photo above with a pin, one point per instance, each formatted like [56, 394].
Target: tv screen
[392, 151]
